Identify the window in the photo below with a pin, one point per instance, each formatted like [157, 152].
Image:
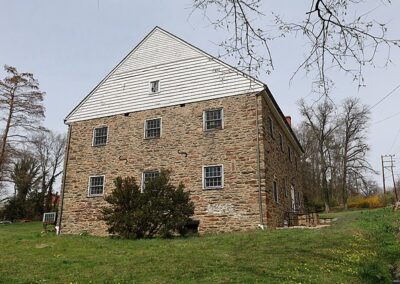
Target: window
[149, 176]
[213, 177]
[270, 127]
[154, 87]
[285, 188]
[152, 128]
[289, 153]
[96, 185]
[213, 119]
[298, 200]
[100, 136]
[275, 194]
[281, 142]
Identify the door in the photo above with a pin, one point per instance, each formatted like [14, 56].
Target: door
[293, 197]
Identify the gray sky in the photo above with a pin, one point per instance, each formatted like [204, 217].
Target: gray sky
[71, 45]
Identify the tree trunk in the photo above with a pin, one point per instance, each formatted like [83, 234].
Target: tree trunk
[6, 131]
[325, 190]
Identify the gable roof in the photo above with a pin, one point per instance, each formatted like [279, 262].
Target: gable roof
[186, 73]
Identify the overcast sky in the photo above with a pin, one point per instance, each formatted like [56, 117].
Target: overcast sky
[71, 45]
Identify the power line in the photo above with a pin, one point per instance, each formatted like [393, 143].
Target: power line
[395, 139]
[385, 97]
[389, 117]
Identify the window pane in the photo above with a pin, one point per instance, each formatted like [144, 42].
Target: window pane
[275, 191]
[213, 119]
[153, 128]
[213, 176]
[100, 136]
[149, 176]
[154, 86]
[96, 185]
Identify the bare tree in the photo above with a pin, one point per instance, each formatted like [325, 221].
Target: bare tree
[310, 169]
[322, 124]
[21, 110]
[338, 36]
[353, 122]
[49, 151]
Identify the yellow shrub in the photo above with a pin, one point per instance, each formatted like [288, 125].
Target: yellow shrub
[365, 202]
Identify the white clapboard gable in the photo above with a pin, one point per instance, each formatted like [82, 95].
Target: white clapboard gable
[186, 74]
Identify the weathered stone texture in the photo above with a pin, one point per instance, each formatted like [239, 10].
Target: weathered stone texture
[278, 167]
[127, 153]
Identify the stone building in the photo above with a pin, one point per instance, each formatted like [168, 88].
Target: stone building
[169, 105]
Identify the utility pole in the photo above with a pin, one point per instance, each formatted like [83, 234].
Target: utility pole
[388, 164]
[383, 175]
[394, 182]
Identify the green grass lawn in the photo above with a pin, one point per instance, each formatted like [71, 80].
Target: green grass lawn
[358, 248]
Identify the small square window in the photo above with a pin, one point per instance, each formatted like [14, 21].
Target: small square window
[213, 119]
[275, 192]
[149, 176]
[100, 136]
[213, 177]
[154, 87]
[96, 185]
[152, 128]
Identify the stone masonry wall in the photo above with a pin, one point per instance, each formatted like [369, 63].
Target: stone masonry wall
[127, 153]
[277, 167]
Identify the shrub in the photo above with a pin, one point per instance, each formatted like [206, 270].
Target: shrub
[313, 205]
[18, 207]
[161, 209]
[365, 202]
[387, 199]
[15, 209]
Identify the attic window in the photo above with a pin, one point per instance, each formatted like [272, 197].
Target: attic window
[154, 87]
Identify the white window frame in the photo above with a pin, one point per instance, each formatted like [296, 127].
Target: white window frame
[93, 135]
[274, 183]
[104, 186]
[145, 125]
[150, 86]
[222, 119]
[203, 177]
[142, 181]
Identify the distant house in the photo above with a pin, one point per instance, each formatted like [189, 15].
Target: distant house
[54, 199]
[170, 105]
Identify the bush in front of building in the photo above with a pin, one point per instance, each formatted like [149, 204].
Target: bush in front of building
[160, 208]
